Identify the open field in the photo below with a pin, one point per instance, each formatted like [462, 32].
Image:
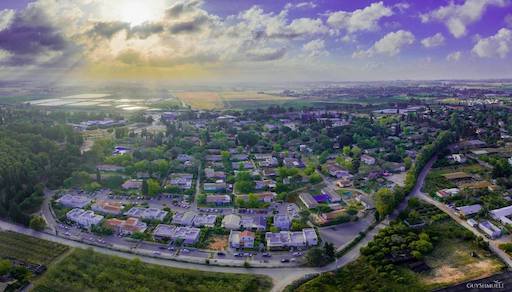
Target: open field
[219, 242]
[452, 262]
[230, 99]
[85, 270]
[29, 249]
[201, 99]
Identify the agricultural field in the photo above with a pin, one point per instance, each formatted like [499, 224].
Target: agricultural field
[29, 249]
[85, 270]
[230, 99]
[201, 99]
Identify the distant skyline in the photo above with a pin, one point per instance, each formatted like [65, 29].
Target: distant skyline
[254, 41]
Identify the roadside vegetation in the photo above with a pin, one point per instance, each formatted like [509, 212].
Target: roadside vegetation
[85, 270]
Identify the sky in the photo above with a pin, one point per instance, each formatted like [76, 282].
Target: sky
[255, 41]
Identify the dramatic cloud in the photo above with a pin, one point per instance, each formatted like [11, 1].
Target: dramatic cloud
[390, 45]
[498, 45]
[162, 38]
[366, 19]
[433, 41]
[454, 57]
[457, 17]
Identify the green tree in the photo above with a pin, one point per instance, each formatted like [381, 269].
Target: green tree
[329, 250]
[145, 188]
[37, 223]
[153, 187]
[316, 257]
[384, 201]
[5, 267]
[315, 178]
[407, 162]
[201, 199]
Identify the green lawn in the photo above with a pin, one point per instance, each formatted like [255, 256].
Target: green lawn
[85, 270]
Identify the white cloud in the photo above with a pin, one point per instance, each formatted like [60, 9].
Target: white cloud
[6, 17]
[498, 45]
[454, 57]
[402, 6]
[457, 17]
[366, 19]
[315, 48]
[433, 41]
[390, 45]
[306, 5]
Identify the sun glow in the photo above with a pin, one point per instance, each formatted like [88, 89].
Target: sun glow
[137, 12]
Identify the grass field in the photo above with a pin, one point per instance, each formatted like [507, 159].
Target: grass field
[85, 270]
[29, 249]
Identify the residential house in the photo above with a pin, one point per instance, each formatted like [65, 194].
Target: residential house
[367, 159]
[203, 220]
[74, 201]
[282, 221]
[239, 157]
[126, 227]
[109, 167]
[147, 213]
[164, 232]
[218, 200]
[181, 180]
[108, 207]
[213, 158]
[243, 239]
[338, 172]
[214, 187]
[210, 173]
[293, 162]
[466, 211]
[266, 184]
[489, 229]
[287, 239]
[502, 215]
[254, 223]
[243, 164]
[308, 200]
[184, 158]
[86, 219]
[266, 197]
[446, 193]
[189, 235]
[186, 218]
[132, 184]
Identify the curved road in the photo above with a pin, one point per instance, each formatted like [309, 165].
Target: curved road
[281, 277]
